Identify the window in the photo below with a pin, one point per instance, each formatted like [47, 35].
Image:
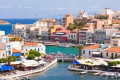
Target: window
[112, 55]
[89, 52]
[83, 51]
[107, 54]
[116, 55]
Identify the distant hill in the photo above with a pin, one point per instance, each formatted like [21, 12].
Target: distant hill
[3, 22]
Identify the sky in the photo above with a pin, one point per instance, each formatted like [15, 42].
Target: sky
[52, 8]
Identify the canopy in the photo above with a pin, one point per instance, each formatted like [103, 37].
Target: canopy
[76, 62]
[30, 63]
[96, 53]
[42, 62]
[16, 54]
[5, 67]
[48, 57]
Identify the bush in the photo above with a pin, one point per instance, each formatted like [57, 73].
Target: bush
[31, 56]
[36, 53]
[26, 54]
[3, 60]
[113, 63]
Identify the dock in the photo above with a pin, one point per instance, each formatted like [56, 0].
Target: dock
[23, 73]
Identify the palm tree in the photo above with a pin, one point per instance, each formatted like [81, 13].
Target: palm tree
[80, 47]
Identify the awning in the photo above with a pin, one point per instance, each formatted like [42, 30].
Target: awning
[96, 53]
[16, 54]
[5, 67]
[30, 63]
[76, 62]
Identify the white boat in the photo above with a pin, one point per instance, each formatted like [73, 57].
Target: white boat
[111, 75]
[95, 74]
[83, 72]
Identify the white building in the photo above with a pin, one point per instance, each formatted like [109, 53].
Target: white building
[2, 33]
[72, 37]
[92, 51]
[34, 46]
[106, 11]
[21, 29]
[39, 28]
[82, 14]
[115, 39]
[103, 35]
[6, 47]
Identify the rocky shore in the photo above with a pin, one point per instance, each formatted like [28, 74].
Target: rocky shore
[4, 22]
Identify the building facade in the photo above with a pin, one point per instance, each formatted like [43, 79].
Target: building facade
[92, 51]
[34, 46]
[115, 39]
[72, 37]
[84, 36]
[103, 35]
[60, 36]
[111, 52]
[67, 19]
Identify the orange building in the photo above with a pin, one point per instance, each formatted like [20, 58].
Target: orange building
[67, 19]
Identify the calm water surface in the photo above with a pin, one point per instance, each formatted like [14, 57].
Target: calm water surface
[67, 51]
[59, 72]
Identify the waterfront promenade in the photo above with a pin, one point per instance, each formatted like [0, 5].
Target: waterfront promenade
[23, 73]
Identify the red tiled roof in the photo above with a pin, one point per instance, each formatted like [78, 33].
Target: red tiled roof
[92, 47]
[75, 30]
[113, 49]
[84, 28]
[30, 43]
[15, 50]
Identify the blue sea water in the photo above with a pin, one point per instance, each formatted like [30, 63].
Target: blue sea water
[8, 28]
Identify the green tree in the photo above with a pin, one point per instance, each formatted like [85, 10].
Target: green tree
[80, 47]
[72, 26]
[10, 59]
[36, 53]
[31, 56]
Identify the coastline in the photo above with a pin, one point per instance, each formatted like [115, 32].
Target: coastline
[30, 72]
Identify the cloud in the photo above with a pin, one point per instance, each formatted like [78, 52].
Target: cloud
[5, 7]
[23, 7]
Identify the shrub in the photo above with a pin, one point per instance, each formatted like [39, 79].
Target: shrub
[26, 54]
[31, 56]
[3, 60]
[113, 63]
[36, 53]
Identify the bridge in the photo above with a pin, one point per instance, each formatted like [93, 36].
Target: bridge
[66, 59]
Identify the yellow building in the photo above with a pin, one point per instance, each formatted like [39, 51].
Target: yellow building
[56, 28]
[112, 52]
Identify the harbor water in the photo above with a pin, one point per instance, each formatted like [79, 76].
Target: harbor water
[59, 72]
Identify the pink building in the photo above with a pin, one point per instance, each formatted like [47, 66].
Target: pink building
[60, 36]
[97, 23]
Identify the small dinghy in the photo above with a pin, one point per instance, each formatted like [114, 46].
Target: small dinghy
[81, 73]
